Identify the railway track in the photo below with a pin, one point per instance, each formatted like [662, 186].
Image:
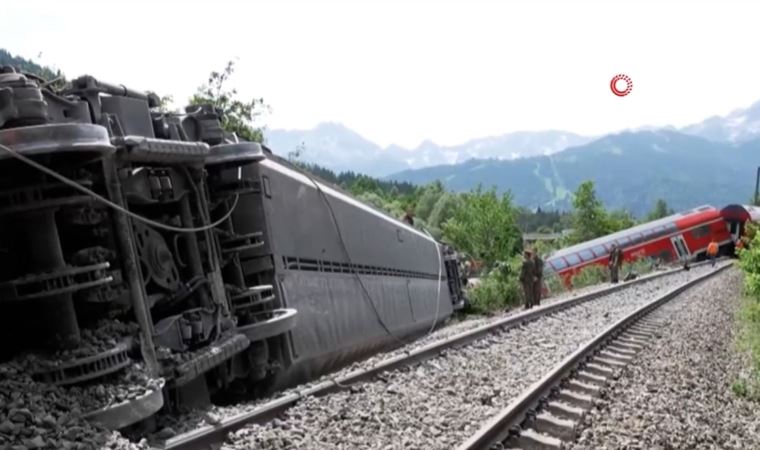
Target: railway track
[547, 415]
[487, 341]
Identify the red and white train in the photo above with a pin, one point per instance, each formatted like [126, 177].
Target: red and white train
[682, 236]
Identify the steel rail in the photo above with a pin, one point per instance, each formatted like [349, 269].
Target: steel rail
[209, 436]
[508, 422]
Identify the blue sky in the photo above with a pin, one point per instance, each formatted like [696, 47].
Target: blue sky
[402, 72]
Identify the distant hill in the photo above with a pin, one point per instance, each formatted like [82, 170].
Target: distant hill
[631, 170]
[741, 125]
[339, 148]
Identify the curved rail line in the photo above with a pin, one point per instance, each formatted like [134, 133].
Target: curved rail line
[209, 436]
[548, 412]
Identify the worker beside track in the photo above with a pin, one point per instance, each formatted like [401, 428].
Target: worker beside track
[538, 267]
[616, 260]
[408, 216]
[527, 278]
[712, 252]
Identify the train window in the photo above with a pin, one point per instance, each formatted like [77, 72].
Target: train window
[267, 188]
[623, 241]
[586, 255]
[573, 259]
[671, 227]
[558, 263]
[700, 232]
[599, 250]
[636, 238]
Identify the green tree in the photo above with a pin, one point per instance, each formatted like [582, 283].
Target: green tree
[238, 116]
[589, 217]
[660, 210]
[296, 154]
[619, 220]
[485, 226]
[428, 197]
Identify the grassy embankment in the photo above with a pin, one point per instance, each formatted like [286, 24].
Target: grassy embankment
[748, 317]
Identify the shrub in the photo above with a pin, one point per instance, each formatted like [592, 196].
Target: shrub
[554, 284]
[589, 275]
[497, 290]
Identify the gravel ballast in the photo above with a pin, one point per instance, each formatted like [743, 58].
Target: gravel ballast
[170, 425]
[38, 415]
[440, 402]
[677, 393]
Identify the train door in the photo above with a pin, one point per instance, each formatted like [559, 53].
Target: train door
[679, 244]
[735, 229]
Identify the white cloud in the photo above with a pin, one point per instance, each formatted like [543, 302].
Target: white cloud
[407, 71]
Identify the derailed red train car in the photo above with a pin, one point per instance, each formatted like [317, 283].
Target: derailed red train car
[683, 236]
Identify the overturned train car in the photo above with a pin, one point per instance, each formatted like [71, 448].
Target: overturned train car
[237, 271]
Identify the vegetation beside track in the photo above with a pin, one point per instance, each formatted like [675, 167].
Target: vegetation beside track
[749, 314]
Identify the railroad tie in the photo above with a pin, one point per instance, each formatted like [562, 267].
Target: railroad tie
[591, 378]
[599, 369]
[575, 398]
[631, 333]
[647, 328]
[561, 409]
[615, 356]
[631, 342]
[531, 439]
[548, 423]
[621, 350]
[611, 363]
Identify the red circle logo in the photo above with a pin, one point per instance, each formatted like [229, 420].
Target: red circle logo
[626, 80]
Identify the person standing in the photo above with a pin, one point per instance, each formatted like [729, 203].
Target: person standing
[527, 276]
[538, 267]
[409, 216]
[712, 252]
[616, 260]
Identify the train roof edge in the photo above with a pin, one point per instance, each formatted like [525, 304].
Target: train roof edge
[342, 194]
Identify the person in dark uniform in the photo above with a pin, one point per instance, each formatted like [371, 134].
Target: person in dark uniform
[409, 216]
[616, 260]
[538, 267]
[527, 278]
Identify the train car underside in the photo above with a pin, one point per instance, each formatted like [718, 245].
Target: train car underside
[142, 245]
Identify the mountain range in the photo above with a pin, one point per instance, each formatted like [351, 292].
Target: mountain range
[713, 161]
[341, 149]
